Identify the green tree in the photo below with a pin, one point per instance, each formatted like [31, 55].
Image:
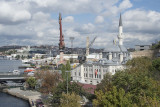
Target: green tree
[63, 69]
[17, 57]
[105, 83]
[68, 66]
[156, 46]
[70, 100]
[32, 82]
[137, 83]
[139, 64]
[22, 57]
[156, 64]
[114, 98]
[62, 88]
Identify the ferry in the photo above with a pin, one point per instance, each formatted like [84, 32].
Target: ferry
[29, 70]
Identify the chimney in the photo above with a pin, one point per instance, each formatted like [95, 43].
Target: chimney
[121, 57]
[110, 56]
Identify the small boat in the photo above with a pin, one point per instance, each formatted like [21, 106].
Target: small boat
[16, 72]
[29, 69]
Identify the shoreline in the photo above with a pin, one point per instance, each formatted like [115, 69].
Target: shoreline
[20, 94]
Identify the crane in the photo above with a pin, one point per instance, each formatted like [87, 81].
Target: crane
[82, 58]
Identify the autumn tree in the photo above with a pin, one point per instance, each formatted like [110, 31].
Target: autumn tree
[48, 79]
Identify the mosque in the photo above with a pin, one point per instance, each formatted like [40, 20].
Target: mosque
[113, 59]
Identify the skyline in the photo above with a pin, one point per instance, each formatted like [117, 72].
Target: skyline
[35, 22]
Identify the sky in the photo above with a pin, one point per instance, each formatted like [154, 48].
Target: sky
[35, 22]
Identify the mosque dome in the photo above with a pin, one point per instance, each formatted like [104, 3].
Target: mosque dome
[112, 48]
[122, 48]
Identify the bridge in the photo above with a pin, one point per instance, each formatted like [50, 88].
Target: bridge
[11, 77]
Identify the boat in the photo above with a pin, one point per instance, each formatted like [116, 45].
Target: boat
[29, 69]
[16, 72]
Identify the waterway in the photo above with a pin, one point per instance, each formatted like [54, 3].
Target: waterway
[7, 65]
[7, 100]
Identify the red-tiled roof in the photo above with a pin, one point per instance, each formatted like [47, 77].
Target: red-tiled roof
[88, 87]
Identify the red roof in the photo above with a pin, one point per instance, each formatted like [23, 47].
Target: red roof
[88, 87]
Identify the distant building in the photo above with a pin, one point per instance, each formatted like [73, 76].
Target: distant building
[142, 47]
[114, 58]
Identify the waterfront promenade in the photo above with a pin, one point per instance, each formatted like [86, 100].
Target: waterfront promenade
[27, 95]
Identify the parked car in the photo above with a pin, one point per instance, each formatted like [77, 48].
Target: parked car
[39, 103]
[31, 73]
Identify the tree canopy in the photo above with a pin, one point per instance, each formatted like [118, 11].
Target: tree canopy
[134, 86]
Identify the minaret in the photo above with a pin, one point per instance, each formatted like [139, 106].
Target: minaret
[61, 40]
[120, 35]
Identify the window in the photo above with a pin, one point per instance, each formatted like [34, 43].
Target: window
[79, 74]
[75, 73]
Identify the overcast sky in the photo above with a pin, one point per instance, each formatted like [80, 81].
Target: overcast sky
[35, 22]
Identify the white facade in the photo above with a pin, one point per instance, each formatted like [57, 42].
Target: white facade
[93, 73]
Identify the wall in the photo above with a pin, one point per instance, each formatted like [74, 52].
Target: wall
[147, 53]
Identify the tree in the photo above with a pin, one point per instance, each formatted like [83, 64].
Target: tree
[156, 64]
[137, 85]
[156, 46]
[32, 82]
[70, 100]
[49, 80]
[68, 66]
[65, 68]
[114, 98]
[17, 57]
[62, 88]
[139, 64]
[105, 83]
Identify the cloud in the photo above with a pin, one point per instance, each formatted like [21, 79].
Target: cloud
[11, 15]
[142, 21]
[99, 19]
[36, 22]
[73, 6]
[125, 4]
[68, 19]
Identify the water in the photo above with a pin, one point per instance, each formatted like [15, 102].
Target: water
[7, 65]
[7, 100]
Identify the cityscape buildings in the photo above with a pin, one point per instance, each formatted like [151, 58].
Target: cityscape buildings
[113, 59]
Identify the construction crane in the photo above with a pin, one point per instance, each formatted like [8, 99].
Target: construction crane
[82, 58]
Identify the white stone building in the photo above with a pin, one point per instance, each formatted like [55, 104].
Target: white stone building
[114, 58]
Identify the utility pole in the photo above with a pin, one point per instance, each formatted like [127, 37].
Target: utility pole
[67, 84]
[71, 38]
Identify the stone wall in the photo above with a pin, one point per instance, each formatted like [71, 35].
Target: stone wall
[147, 53]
